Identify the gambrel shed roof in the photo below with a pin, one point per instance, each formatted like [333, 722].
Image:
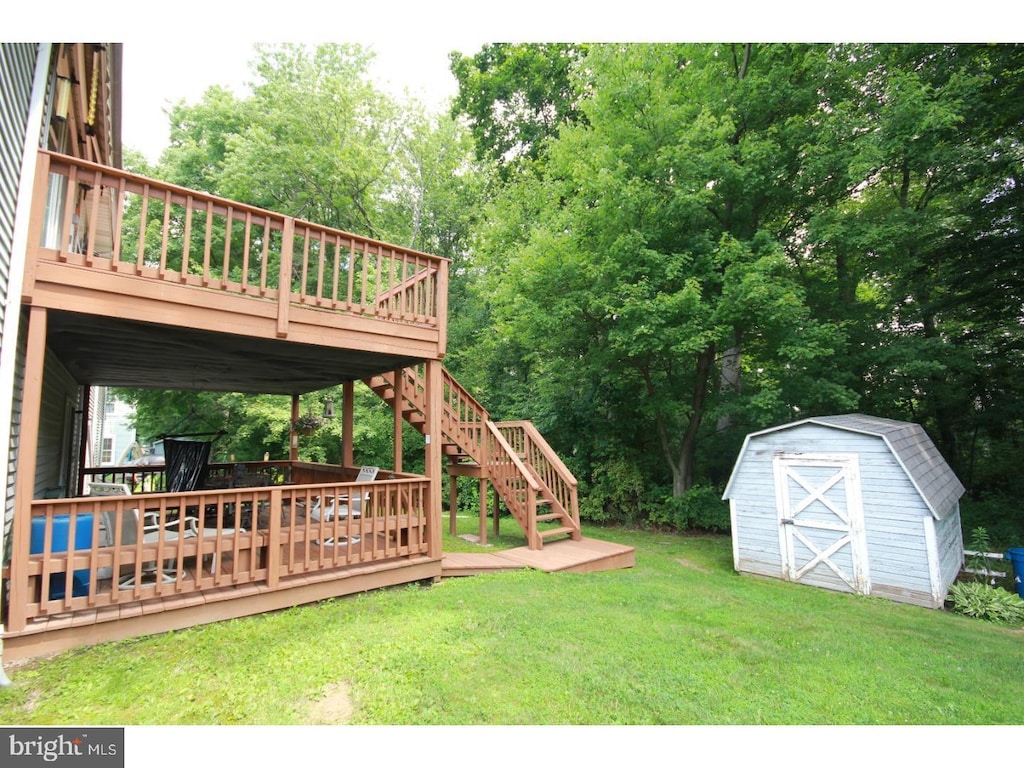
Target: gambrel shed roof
[914, 451]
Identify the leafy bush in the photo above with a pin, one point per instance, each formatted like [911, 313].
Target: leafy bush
[998, 515]
[981, 601]
[617, 492]
[701, 508]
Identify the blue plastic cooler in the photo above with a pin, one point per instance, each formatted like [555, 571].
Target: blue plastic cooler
[1016, 556]
[83, 540]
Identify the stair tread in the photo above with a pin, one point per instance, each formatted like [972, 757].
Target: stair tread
[549, 516]
[556, 531]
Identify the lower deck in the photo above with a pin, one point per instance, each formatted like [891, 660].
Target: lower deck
[63, 631]
[584, 556]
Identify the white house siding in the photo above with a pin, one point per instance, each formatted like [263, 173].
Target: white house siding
[898, 561]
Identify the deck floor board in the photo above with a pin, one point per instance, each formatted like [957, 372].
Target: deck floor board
[585, 555]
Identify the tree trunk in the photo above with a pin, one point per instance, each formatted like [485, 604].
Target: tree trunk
[682, 470]
[730, 379]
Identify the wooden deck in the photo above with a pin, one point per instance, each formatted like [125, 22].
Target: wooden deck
[583, 556]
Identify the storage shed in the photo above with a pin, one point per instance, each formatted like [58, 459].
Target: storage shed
[852, 503]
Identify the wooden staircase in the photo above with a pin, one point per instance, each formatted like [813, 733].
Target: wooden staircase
[536, 487]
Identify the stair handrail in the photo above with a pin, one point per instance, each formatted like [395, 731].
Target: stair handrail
[468, 434]
[559, 483]
[473, 436]
[506, 485]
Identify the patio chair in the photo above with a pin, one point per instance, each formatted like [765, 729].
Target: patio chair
[130, 524]
[210, 533]
[329, 505]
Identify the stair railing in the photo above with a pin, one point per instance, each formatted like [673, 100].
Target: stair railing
[522, 466]
[466, 417]
[557, 483]
[513, 483]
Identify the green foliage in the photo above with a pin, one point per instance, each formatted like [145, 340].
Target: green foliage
[983, 601]
[842, 222]
[979, 563]
[515, 96]
[700, 509]
[999, 516]
[617, 491]
[651, 239]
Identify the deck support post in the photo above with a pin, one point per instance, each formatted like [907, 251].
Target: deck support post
[35, 360]
[433, 439]
[483, 511]
[284, 289]
[453, 502]
[348, 409]
[83, 446]
[399, 375]
[497, 509]
[293, 440]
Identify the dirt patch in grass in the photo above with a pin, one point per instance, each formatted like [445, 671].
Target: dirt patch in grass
[690, 564]
[333, 707]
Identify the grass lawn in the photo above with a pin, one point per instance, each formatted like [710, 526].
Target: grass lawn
[679, 639]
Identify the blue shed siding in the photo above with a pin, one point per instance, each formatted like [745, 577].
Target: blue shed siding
[950, 543]
[900, 561]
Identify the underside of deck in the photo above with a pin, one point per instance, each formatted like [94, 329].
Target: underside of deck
[583, 556]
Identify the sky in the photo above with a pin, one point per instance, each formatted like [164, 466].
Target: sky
[178, 52]
[419, 66]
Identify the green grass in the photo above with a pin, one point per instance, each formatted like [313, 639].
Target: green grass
[679, 639]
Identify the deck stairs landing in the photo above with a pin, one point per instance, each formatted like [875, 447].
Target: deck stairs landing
[583, 555]
[536, 487]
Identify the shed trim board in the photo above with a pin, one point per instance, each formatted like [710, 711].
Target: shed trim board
[821, 518]
[934, 569]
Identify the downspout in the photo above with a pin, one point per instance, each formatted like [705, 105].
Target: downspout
[12, 319]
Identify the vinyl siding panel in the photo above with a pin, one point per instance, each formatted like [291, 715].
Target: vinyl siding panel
[54, 467]
[17, 66]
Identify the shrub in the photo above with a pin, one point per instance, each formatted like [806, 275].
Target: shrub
[981, 601]
[998, 515]
[700, 508]
[618, 492]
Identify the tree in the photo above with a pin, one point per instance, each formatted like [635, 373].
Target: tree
[928, 248]
[516, 96]
[653, 239]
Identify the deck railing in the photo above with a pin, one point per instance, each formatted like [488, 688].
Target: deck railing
[513, 482]
[97, 553]
[107, 219]
[561, 488]
[152, 478]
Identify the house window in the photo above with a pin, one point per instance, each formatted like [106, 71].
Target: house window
[107, 452]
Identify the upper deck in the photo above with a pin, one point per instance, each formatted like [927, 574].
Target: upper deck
[154, 285]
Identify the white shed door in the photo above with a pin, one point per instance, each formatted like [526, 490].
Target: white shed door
[821, 520]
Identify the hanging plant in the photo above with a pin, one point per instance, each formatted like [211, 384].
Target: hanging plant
[308, 424]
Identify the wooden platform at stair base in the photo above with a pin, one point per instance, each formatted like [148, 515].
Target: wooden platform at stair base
[583, 556]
